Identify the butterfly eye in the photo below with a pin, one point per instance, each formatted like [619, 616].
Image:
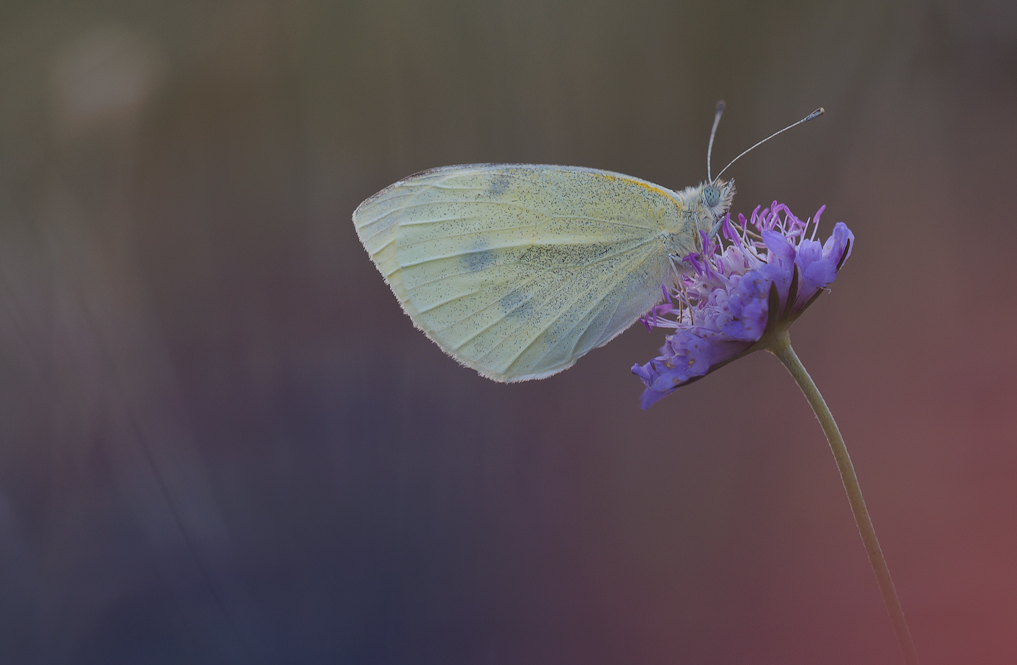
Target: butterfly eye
[711, 195]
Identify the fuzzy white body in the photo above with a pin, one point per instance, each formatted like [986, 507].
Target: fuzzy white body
[518, 270]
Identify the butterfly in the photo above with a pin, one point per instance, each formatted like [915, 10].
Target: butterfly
[518, 270]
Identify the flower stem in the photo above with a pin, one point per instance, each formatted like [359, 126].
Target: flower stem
[780, 346]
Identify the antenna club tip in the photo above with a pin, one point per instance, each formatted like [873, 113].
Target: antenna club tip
[721, 105]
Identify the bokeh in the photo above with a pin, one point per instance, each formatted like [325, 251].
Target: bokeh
[221, 441]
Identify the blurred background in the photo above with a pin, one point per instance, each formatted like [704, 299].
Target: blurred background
[221, 441]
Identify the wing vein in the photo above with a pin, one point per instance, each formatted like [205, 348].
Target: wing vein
[597, 302]
[493, 323]
[445, 302]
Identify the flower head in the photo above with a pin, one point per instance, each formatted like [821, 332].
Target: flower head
[735, 294]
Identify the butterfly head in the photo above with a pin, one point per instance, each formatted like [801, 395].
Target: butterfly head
[716, 199]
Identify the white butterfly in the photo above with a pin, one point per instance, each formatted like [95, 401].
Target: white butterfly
[518, 270]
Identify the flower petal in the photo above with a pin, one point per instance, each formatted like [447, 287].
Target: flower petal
[732, 295]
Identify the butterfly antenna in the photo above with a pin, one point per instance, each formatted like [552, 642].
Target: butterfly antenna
[713, 133]
[812, 116]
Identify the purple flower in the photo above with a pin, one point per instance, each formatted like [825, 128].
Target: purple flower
[732, 298]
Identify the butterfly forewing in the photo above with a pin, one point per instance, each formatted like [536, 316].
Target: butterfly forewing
[518, 270]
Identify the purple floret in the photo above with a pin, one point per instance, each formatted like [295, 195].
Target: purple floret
[721, 306]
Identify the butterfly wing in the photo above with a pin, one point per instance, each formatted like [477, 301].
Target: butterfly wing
[518, 270]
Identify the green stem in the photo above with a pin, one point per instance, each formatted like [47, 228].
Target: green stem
[780, 346]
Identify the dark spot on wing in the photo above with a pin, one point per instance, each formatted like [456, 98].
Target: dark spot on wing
[516, 304]
[499, 184]
[478, 257]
